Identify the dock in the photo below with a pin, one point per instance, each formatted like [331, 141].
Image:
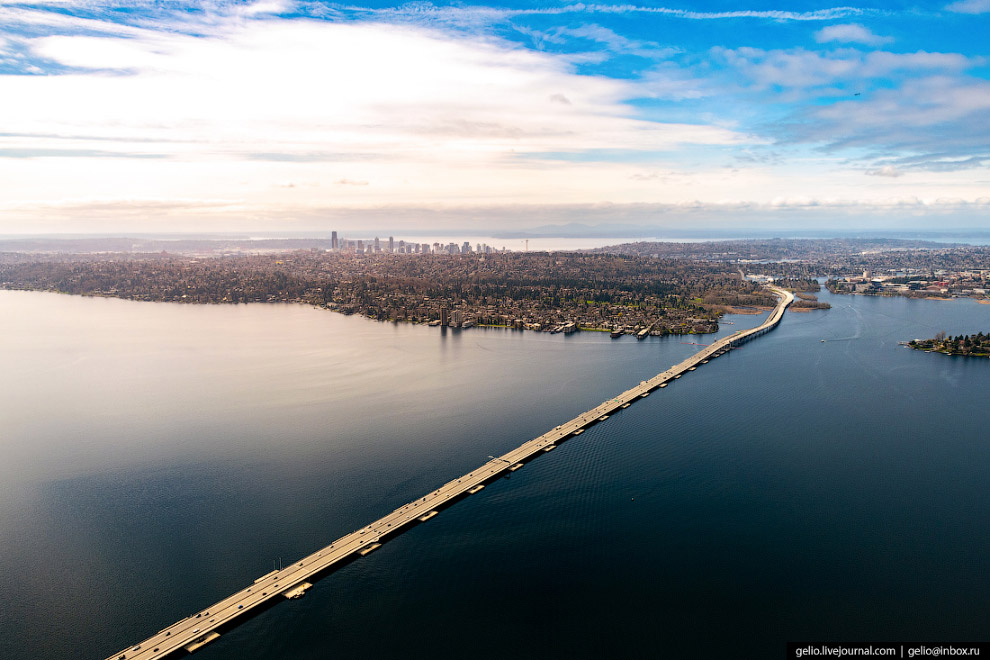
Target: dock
[290, 582]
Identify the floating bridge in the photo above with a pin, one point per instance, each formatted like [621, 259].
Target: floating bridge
[292, 581]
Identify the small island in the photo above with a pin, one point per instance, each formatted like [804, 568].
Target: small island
[977, 345]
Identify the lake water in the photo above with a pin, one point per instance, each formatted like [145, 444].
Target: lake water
[155, 458]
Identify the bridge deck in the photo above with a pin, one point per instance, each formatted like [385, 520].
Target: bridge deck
[196, 630]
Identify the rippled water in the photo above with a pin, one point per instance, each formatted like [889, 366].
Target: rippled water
[157, 457]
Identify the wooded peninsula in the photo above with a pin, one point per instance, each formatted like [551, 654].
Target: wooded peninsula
[977, 345]
[550, 292]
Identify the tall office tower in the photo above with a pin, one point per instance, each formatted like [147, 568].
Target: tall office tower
[444, 317]
[333, 241]
[391, 244]
[360, 248]
[466, 247]
[378, 247]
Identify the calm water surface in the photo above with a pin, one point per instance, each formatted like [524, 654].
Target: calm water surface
[155, 458]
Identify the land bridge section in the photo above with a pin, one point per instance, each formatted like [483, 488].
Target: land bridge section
[203, 627]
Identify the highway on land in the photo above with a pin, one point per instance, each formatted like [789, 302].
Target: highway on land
[202, 627]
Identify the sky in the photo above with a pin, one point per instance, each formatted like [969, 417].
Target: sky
[282, 116]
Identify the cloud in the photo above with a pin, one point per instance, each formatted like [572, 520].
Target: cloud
[936, 162]
[673, 82]
[970, 6]
[850, 33]
[800, 68]
[475, 15]
[295, 156]
[265, 7]
[782, 214]
[606, 39]
[443, 111]
[283, 86]
[652, 176]
[886, 170]
[428, 117]
[776, 15]
[125, 208]
[932, 114]
[72, 153]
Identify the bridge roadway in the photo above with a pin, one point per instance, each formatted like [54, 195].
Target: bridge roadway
[198, 629]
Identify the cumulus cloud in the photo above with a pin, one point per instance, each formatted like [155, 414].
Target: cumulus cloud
[850, 33]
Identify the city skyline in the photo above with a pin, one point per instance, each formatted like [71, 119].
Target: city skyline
[286, 117]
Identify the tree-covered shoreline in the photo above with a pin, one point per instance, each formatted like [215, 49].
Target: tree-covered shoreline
[977, 345]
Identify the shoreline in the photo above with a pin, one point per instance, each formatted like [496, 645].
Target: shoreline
[981, 301]
[577, 328]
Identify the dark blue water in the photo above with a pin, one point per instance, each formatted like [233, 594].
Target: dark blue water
[158, 457]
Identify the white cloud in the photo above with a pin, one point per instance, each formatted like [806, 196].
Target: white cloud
[800, 68]
[927, 114]
[266, 7]
[850, 33]
[606, 39]
[304, 86]
[970, 6]
[424, 117]
[477, 15]
[776, 15]
[886, 170]
[259, 119]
